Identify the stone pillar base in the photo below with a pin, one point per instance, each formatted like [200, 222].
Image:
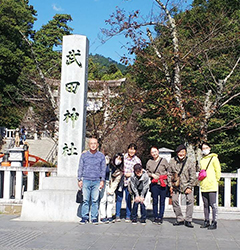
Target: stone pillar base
[56, 202]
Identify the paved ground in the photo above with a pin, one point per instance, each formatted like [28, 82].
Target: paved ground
[15, 234]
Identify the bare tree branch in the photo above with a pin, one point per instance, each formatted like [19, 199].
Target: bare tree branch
[177, 82]
[221, 85]
[166, 69]
[231, 72]
[229, 99]
[210, 70]
[229, 125]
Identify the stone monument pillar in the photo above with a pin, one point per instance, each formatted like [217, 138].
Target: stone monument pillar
[56, 200]
[73, 99]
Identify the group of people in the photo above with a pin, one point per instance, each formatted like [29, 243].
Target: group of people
[104, 181]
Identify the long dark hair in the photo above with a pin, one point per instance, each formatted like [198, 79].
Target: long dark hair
[120, 166]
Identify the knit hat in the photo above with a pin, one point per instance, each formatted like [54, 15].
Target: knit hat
[180, 147]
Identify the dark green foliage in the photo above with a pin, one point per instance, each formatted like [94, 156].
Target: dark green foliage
[209, 47]
[46, 42]
[51, 34]
[226, 141]
[16, 17]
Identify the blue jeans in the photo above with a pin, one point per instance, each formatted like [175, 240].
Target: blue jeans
[135, 210]
[157, 191]
[119, 202]
[90, 198]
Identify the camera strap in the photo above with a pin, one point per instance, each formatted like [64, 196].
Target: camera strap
[208, 163]
[182, 167]
[157, 165]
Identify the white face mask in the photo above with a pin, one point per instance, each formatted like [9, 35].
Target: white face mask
[205, 151]
[117, 162]
[181, 157]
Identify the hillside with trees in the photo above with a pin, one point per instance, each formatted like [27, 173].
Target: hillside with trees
[183, 87]
[107, 63]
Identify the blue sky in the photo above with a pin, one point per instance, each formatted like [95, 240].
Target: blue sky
[89, 17]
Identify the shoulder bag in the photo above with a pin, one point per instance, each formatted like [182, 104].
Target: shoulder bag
[203, 173]
[176, 176]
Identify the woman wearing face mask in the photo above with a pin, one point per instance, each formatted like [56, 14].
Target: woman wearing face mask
[114, 180]
[209, 185]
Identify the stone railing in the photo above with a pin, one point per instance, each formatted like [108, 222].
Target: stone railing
[15, 180]
[228, 197]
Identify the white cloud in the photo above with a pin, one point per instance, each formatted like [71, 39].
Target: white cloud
[56, 7]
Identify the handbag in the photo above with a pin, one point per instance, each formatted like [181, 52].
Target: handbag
[203, 173]
[79, 196]
[176, 176]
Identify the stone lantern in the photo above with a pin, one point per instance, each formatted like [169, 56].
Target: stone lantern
[166, 153]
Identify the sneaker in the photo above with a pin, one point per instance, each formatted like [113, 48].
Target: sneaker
[213, 225]
[205, 224]
[155, 221]
[104, 220]
[127, 220]
[134, 221]
[143, 222]
[95, 222]
[83, 221]
[160, 221]
[118, 219]
[110, 220]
